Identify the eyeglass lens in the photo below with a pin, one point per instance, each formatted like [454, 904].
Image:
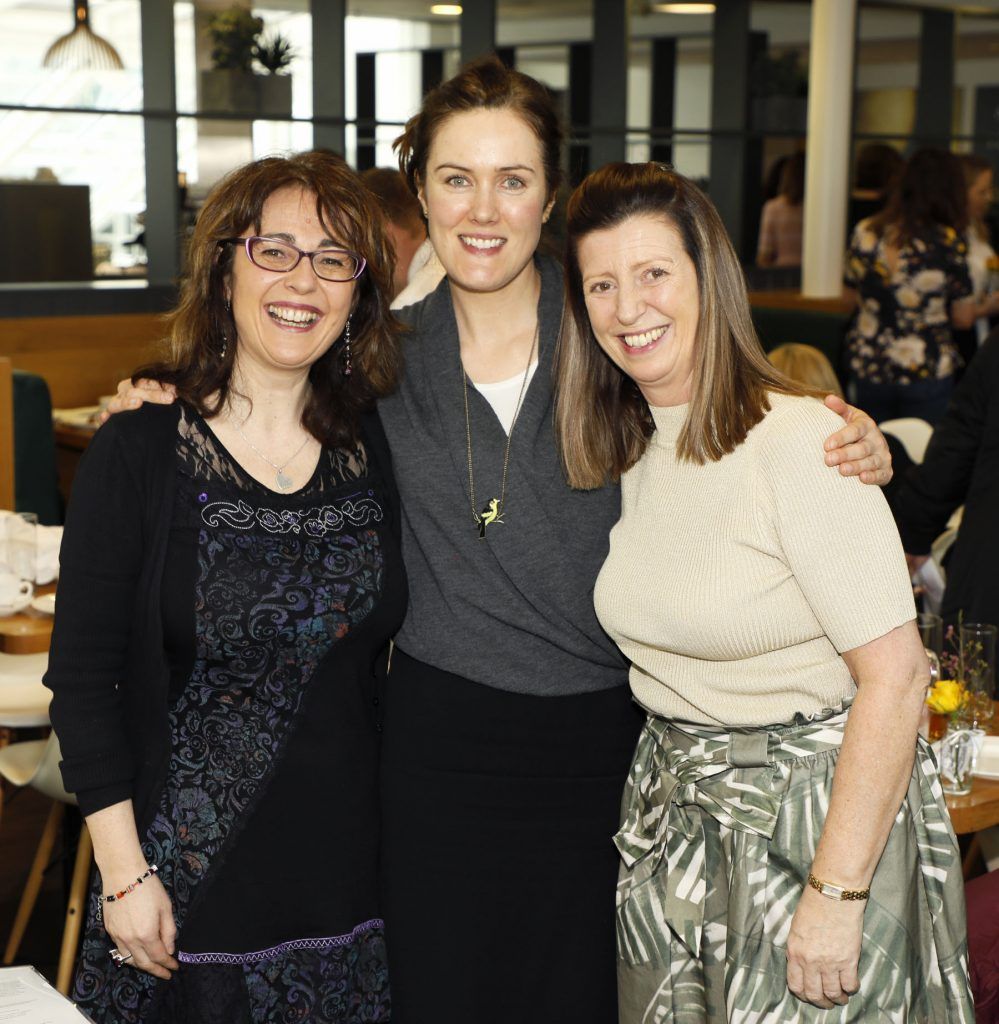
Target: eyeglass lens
[329, 264]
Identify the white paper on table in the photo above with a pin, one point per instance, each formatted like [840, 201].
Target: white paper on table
[929, 578]
[27, 998]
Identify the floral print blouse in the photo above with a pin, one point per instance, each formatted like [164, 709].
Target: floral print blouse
[902, 333]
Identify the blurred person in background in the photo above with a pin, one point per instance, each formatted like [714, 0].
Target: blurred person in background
[878, 167]
[805, 364]
[907, 270]
[960, 467]
[983, 263]
[781, 220]
[403, 219]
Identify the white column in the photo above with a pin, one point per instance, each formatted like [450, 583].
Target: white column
[830, 89]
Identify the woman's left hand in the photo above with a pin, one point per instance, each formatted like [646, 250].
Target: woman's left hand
[859, 448]
[823, 949]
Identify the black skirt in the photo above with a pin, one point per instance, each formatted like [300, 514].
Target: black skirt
[499, 868]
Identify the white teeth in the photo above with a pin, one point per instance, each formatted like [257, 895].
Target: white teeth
[292, 316]
[482, 243]
[646, 338]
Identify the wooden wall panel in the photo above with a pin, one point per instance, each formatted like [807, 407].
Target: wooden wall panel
[82, 357]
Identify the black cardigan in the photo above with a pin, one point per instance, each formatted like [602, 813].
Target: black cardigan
[107, 667]
[961, 466]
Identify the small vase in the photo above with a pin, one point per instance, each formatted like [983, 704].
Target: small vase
[958, 754]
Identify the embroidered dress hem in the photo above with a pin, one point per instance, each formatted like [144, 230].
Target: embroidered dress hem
[329, 942]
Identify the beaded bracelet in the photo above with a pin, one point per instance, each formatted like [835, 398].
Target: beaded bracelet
[113, 897]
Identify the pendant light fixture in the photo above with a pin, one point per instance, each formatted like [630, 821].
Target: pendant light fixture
[82, 49]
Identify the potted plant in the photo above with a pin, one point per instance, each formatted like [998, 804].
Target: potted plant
[275, 55]
[233, 83]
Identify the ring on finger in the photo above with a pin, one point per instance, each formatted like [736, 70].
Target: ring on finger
[119, 958]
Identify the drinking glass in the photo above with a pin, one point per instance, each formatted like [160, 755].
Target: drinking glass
[978, 670]
[930, 627]
[19, 546]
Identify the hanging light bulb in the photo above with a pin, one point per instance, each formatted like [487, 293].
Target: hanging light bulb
[82, 49]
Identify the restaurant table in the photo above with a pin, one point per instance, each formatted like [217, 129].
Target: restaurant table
[72, 435]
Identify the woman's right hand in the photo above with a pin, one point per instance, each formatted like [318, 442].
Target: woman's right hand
[142, 924]
[131, 396]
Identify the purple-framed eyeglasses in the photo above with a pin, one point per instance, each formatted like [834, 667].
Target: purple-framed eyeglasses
[281, 257]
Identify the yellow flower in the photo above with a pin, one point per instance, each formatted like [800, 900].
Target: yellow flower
[946, 696]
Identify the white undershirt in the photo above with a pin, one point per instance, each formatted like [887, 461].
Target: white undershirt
[503, 394]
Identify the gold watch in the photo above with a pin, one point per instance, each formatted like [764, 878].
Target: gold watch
[837, 892]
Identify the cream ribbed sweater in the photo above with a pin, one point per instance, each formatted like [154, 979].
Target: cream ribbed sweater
[732, 586]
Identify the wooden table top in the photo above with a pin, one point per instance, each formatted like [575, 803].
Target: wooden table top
[978, 810]
[27, 632]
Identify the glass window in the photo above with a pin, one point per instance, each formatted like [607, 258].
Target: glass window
[29, 32]
[104, 153]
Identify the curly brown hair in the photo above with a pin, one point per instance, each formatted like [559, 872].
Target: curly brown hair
[200, 364]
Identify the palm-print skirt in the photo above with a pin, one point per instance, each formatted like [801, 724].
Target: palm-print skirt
[718, 835]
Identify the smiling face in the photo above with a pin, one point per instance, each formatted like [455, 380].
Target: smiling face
[641, 294]
[485, 197]
[287, 321]
[980, 195]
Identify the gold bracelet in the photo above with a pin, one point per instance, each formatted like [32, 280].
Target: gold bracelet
[837, 892]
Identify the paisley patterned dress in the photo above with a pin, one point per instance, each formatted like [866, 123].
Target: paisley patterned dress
[274, 608]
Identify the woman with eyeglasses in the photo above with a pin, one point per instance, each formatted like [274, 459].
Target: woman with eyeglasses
[230, 569]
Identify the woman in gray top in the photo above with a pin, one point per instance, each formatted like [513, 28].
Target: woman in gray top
[508, 726]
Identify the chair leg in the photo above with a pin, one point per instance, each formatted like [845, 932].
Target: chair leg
[34, 883]
[75, 911]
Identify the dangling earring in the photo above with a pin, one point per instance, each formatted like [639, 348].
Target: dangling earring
[225, 337]
[346, 341]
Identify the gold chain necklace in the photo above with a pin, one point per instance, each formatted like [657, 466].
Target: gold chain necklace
[492, 512]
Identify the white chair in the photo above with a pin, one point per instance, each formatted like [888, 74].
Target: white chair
[24, 700]
[914, 434]
[35, 763]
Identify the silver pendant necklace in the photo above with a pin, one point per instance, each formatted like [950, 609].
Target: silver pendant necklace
[283, 480]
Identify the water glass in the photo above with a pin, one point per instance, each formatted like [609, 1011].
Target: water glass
[978, 670]
[930, 628]
[19, 544]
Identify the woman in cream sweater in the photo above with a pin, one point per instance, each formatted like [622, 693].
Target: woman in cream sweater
[786, 853]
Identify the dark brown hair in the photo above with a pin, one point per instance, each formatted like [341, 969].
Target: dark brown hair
[201, 322]
[878, 165]
[483, 84]
[602, 420]
[930, 194]
[792, 179]
[397, 203]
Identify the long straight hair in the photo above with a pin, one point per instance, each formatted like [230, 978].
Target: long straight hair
[602, 420]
